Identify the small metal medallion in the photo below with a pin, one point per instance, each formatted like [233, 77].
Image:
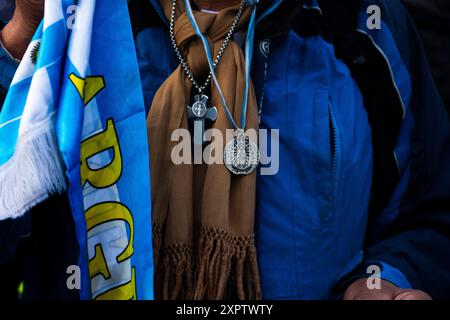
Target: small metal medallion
[199, 109]
[241, 155]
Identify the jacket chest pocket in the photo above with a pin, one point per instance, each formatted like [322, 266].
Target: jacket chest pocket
[326, 136]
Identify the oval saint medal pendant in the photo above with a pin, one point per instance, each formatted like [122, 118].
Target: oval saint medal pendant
[241, 155]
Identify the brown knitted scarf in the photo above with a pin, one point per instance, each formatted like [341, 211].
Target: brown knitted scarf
[203, 216]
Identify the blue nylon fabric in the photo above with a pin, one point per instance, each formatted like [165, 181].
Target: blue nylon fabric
[394, 276]
[311, 220]
[384, 40]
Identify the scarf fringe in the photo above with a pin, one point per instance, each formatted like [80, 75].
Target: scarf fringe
[34, 172]
[221, 259]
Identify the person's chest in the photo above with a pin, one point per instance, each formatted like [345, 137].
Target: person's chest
[303, 92]
[317, 158]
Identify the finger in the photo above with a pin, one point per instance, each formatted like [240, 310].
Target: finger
[412, 295]
[359, 290]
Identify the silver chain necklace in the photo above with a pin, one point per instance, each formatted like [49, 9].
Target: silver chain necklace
[199, 111]
[225, 44]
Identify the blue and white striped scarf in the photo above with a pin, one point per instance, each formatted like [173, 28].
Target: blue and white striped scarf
[77, 95]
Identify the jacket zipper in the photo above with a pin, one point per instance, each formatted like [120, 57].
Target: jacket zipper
[159, 11]
[335, 144]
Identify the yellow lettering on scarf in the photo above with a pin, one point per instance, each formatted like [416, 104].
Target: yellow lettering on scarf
[98, 266]
[101, 142]
[87, 88]
[109, 211]
[102, 214]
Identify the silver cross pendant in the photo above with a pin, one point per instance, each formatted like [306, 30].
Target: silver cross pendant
[199, 112]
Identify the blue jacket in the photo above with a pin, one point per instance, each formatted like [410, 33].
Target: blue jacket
[316, 226]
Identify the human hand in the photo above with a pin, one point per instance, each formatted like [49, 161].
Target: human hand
[359, 290]
[17, 34]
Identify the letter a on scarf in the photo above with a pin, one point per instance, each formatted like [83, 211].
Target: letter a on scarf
[74, 121]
